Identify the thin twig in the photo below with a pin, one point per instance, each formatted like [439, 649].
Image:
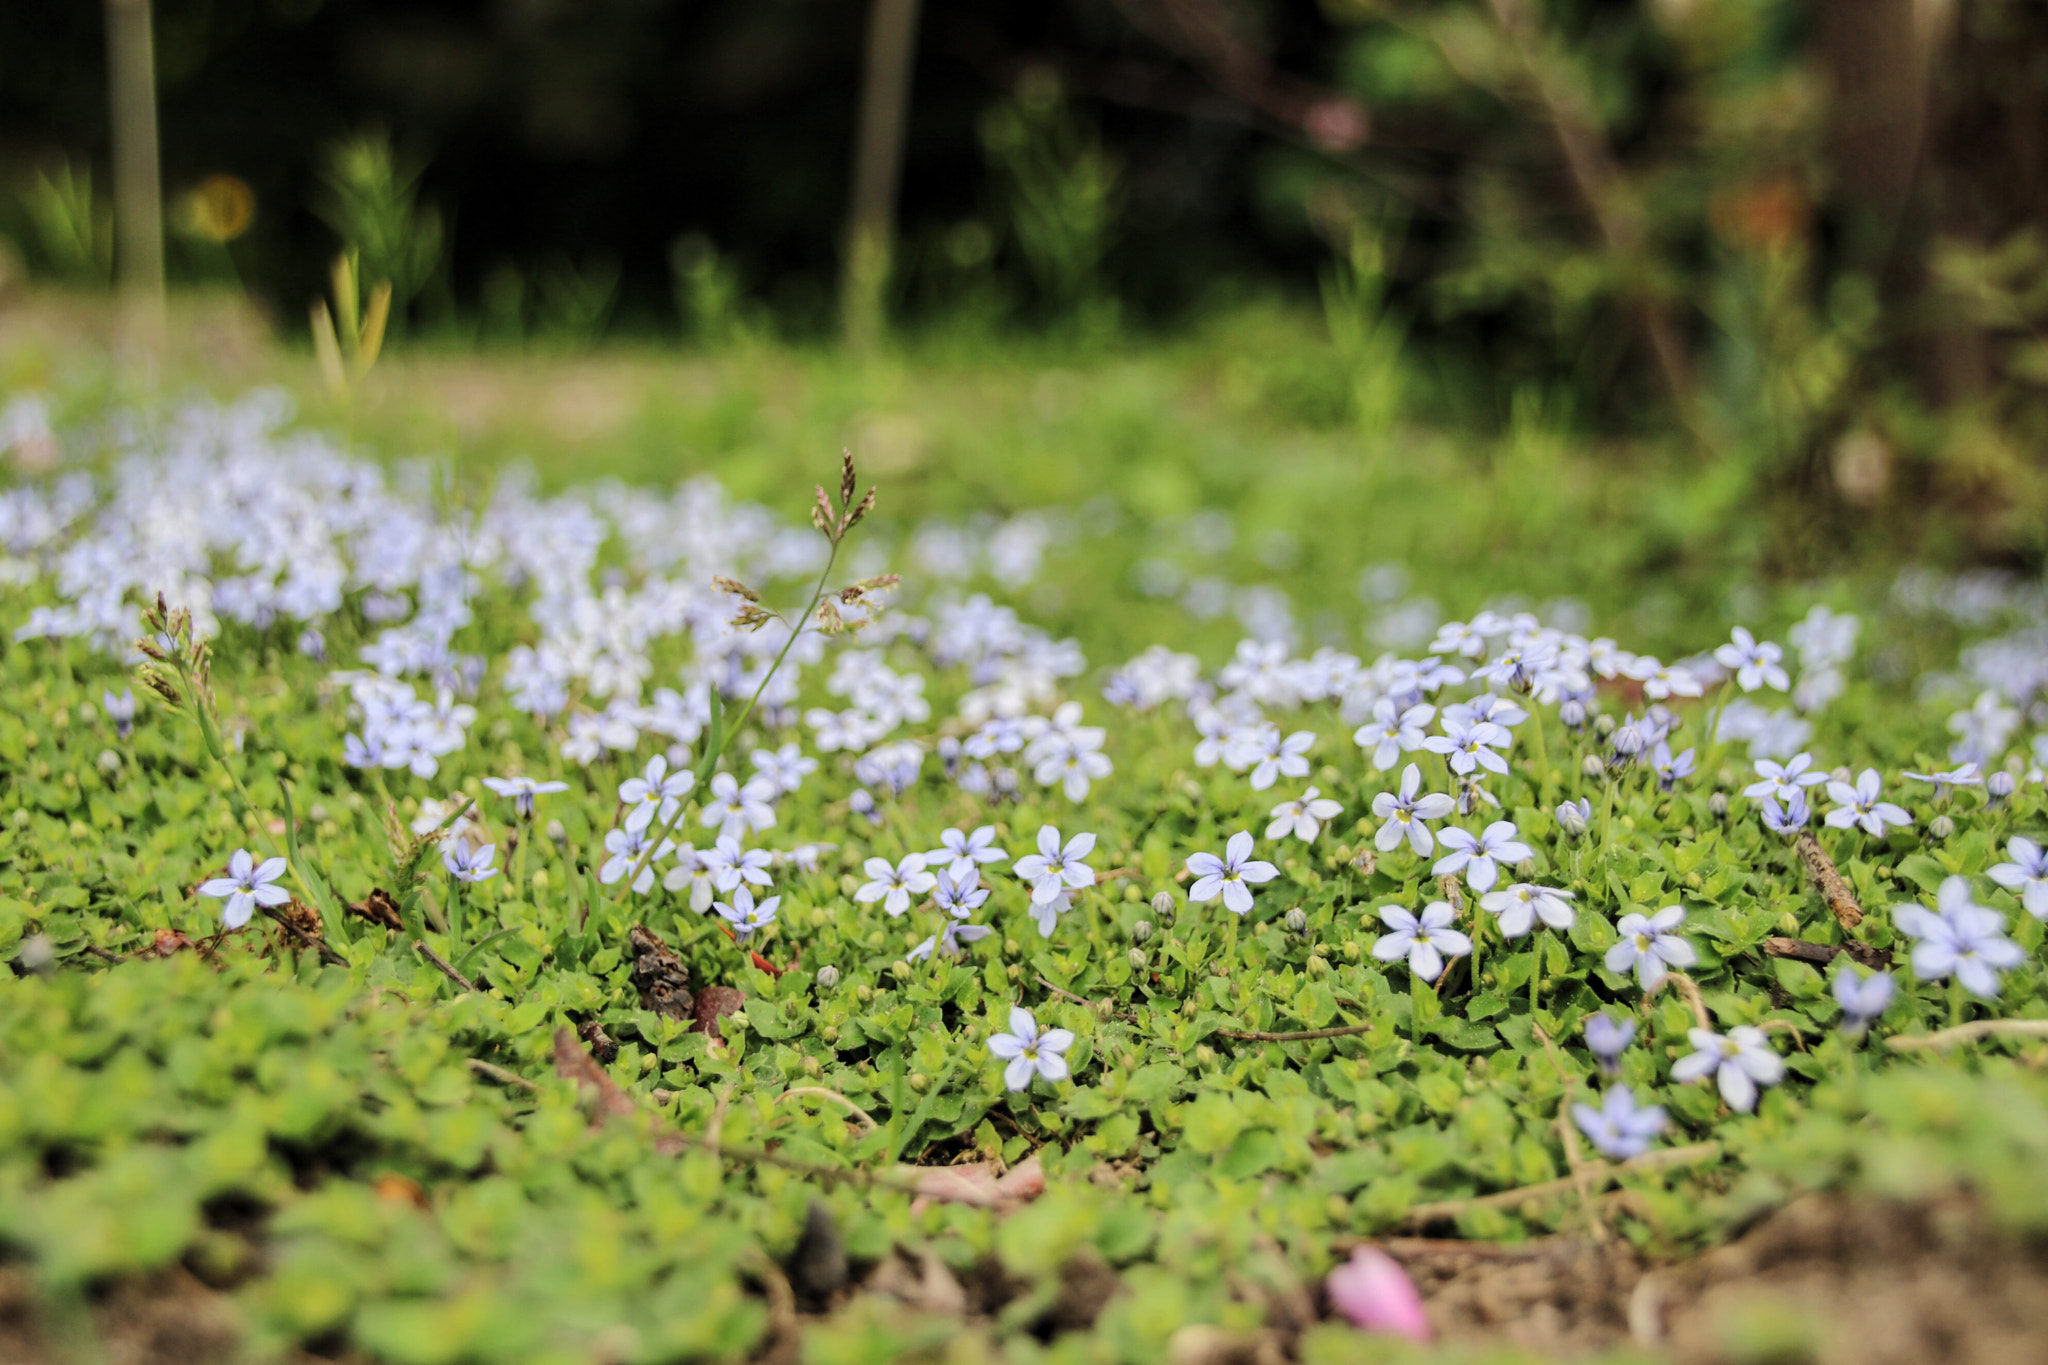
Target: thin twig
[1970, 1033]
[1574, 1159]
[327, 954]
[1689, 991]
[1841, 901]
[1082, 1000]
[103, 953]
[1600, 1174]
[824, 1094]
[500, 1074]
[442, 963]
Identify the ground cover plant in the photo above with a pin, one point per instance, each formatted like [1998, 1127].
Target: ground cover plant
[457, 920]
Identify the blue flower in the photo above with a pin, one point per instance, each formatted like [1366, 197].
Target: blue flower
[1862, 999]
[1618, 1128]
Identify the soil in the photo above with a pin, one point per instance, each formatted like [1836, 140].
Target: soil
[1825, 1280]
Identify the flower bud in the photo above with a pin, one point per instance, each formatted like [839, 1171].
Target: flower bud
[864, 993]
[1162, 907]
[828, 977]
[109, 762]
[1717, 805]
[1318, 965]
[1137, 959]
[813, 1068]
[557, 835]
[1205, 1055]
[1603, 726]
[1941, 828]
[1999, 785]
[1352, 952]
[1367, 861]
[1629, 740]
[920, 1082]
[900, 969]
[1593, 767]
[1571, 818]
[1141, 931]
[1572, 712]
[1296, 921]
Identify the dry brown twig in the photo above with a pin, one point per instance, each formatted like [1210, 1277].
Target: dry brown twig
[1969, 1033]
[1841, 901]
[441, 964]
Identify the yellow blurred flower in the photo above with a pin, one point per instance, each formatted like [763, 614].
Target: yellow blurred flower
[219, 208]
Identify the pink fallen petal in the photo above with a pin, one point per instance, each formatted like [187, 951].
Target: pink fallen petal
[1374, 1293]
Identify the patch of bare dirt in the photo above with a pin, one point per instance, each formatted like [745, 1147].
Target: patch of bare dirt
[1824, 1281]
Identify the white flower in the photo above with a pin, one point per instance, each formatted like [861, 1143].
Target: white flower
[522, 790]
[466, 864]
[1053, 870]
[246, 886]
[734, 809]
[1406, 816]
[1740, 1062]
[1784, 782]
[656, 793]
[1521, 905]
[2026, 876]
[1965, 938]
[1303, 817]
[1390, 733]
[895, 884]
[1860, 805]
[962, 854]
[745, 916]
[626, 846]
[1028, 1052]
[1649, 947]
[1478, 855]
[1279, 757]
[1424, 941]
[1231, 876]
[1753, 664]
[729, 864]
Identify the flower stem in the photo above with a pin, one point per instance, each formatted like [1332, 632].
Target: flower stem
[1535, 972]
[1958, 1007]
[1542, 782]
[455, 908]
[660, 832]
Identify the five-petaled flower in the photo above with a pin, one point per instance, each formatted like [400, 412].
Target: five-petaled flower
[1028, 1052]
[1618, 1127]
[1784, 781]
[1404, 815]
[1740, 1062]
[1390, 732]
[1754, 663]
[963, 854]
[1863, 805]
[2026, 876]
[1607, 1038]
[1303, 817]
[1649, 946]
[522, 790]
[893, 884]
[744, 916]
[1425, 940]
[247, 886]
[467, 864]
[1479, 856]
[1862, 998]
[1964, 939]
[1521, 905]
[1055, 869]
[1232, 876]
